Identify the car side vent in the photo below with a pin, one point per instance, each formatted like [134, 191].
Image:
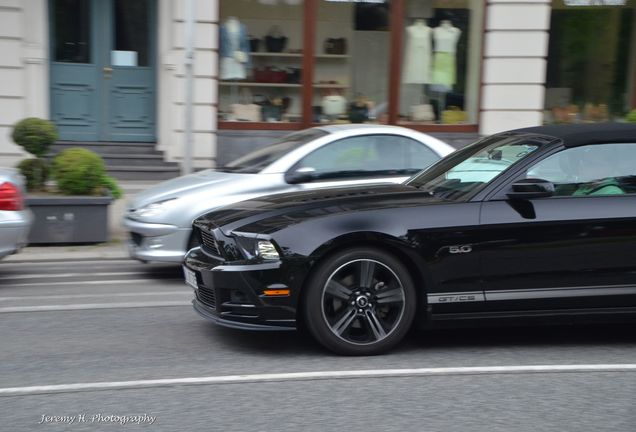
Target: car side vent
[209, 243]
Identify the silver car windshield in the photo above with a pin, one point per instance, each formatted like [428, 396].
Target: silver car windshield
[468, 170]
[257, 160]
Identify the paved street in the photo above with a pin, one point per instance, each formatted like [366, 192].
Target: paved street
[108, 321]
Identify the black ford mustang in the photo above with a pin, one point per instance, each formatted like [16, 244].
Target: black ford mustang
[536, 224]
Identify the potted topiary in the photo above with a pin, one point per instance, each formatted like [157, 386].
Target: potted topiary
[631, 116]
[35, 135]
[81, 214]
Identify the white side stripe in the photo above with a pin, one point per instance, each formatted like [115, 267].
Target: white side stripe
[308, 376]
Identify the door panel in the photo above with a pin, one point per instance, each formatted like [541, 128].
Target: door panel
[75, 88]
[572, 252]
[131, 85]
[102, 69]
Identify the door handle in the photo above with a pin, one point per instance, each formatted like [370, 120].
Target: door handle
[107, 72]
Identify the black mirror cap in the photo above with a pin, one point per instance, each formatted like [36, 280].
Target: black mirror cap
[297, 177]
[531, 188]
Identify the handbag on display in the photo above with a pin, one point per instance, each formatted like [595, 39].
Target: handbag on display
[254, 44]
[247, 110]
[334, 105]
[422, 113]
[359, 110]
[336, 46]
[453, 115]
[275, 41]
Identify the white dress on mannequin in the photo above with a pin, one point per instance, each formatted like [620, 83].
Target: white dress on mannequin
[417, 54]
[444, 66]
[232, 67]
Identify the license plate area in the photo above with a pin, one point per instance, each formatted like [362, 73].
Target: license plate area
[190, 277]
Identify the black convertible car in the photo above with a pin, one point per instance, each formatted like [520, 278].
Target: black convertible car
[535, 224]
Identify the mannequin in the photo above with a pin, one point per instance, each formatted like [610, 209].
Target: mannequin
[445, 37]
[417, 54]
[234, 50]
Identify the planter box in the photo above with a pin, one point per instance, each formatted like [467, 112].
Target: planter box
[69, 219]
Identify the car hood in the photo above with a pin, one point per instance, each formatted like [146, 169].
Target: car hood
[267, 214]
[177, 187]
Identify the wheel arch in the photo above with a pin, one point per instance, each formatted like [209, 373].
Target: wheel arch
[401, 250]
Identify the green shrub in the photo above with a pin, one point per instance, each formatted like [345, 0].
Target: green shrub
[36, 173]
[110, 184]
[78, 171]
[631, 116]
[35, 135]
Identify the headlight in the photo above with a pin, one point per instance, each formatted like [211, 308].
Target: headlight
[152, 210]
[254, 248]
[267, 250]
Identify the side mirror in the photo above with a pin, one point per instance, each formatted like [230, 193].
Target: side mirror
[531, 188]
[301, 175]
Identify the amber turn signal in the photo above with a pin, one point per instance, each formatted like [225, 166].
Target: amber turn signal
[276, 292]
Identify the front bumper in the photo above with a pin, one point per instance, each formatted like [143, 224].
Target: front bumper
[156, 242]
[232, 295]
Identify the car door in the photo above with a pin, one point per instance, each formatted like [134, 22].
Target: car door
[363, 159]
[573, 250]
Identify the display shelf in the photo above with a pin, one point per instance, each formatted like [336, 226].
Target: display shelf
[257, 84]
[284, 85]
[298, 55]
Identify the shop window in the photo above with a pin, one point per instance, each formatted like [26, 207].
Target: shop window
[440, 62]
[591, 61]
[260, 59]
[351, 72]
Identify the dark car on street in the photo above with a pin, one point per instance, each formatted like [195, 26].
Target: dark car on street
[534, 225]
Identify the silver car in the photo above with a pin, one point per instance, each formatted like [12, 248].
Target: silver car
[159, 219]
[15, 219]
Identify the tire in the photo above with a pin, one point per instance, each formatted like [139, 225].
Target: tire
[359, 302]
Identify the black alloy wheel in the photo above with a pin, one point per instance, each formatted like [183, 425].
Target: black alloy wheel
[360, 302]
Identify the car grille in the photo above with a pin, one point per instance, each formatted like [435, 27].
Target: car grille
[206, 296]
[136, 238]
[209, 243]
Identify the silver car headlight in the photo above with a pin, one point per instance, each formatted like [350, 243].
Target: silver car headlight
[153, 209]
[266, 250]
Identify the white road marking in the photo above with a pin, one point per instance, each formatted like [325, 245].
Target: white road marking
[84, 282]
[49, 308]
[64, 275]
[310, 376]
[186, 290]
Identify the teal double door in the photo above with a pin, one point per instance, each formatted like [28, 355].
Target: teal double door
[102, 74]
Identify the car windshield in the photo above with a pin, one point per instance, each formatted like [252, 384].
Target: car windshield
[257, 160]
[468, 170]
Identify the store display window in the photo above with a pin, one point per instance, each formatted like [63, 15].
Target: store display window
[290, 64]
[351, 70]
[440, 62]
[591, 61]
[260, 61]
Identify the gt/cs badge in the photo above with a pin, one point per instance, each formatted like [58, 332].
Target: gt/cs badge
[460, 249]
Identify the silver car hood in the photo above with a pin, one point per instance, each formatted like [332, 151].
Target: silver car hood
[175, 188]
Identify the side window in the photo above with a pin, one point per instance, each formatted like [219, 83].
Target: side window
[599, 169]
[370, 155]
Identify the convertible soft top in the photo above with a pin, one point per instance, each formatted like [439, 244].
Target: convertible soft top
[584, 134]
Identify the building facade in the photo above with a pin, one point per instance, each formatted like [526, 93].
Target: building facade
[114, 70]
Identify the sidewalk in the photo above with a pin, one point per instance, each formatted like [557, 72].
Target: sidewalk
[114, 249]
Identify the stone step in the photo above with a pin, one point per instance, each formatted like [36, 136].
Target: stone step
[145, 173]
[108, 147]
